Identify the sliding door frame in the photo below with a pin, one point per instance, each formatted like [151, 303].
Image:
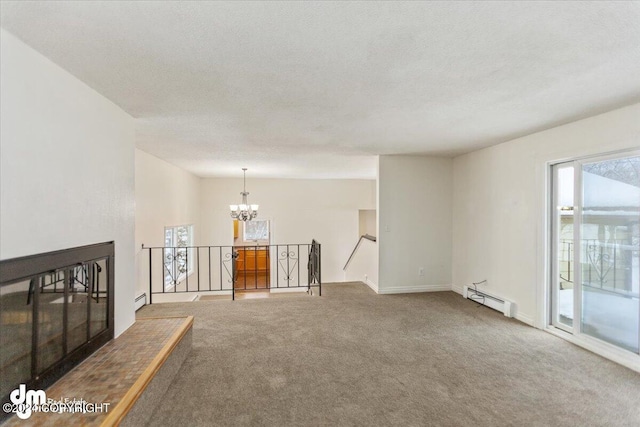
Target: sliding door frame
[555, 229]
[592, 343]
[577, 247]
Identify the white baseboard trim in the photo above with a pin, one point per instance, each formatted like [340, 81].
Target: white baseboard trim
[524, 318]
[414, 289]
[457, 289]
[372, 285]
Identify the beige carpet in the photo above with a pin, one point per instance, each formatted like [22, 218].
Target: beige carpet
[352, 357]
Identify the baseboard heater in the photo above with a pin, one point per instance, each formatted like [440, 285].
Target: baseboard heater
[141, 301]
[482, 297]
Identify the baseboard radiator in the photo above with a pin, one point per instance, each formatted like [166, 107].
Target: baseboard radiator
[141, 301]
[490, 300]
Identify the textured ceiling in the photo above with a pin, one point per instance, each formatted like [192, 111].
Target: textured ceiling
[315, 89]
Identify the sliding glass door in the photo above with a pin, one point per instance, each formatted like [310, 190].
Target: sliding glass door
[596, 249]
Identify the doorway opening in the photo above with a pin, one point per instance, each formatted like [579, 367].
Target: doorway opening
[251, 241]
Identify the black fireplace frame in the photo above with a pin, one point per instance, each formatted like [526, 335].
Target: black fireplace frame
[32, 268]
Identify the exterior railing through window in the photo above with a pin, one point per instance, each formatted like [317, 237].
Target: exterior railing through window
[225, 270]
[605, 265]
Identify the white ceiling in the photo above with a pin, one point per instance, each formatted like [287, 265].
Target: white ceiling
[314, 89]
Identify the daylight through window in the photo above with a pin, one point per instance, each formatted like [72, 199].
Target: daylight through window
[178, 254]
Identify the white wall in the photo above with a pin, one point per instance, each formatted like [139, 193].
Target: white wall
[299, 210]
[66, 167]
[165, 196]
[499, 205]
[414, 223]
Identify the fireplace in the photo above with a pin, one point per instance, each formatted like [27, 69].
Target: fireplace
[56, 309]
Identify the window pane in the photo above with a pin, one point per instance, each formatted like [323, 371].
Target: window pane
[256, 230]
[168, 236]
[170, 276]
[178, 258]
[609, 260]
[182, 236]
[565, 252]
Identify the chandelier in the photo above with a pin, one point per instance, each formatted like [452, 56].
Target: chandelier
[244, 211]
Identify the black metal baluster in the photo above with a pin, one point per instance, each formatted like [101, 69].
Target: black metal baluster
[162, 267]
[298, 265]
[319, 270]
[186, 267]
[220, 268]
[233, 274]
[309, 268]
[150, 278]
[176, 268]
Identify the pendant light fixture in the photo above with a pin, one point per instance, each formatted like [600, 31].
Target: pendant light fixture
[244, 211]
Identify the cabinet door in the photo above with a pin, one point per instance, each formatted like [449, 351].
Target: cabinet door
[240, 260]
[263, 260]
[250, 260]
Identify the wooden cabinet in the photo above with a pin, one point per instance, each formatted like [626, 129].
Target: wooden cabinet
[252, 259]
[252, 267]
